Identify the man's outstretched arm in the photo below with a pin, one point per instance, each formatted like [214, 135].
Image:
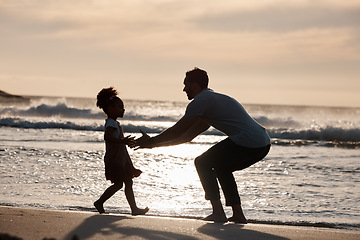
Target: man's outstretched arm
[186, 129]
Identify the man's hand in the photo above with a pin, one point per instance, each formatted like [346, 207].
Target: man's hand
[130, 141]
[143, 141]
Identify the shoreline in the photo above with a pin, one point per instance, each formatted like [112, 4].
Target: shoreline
[329, 225]
[30, 223]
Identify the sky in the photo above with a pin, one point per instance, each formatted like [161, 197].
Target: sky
[298, 52]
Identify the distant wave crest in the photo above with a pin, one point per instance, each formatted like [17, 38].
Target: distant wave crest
[274, 122]
[45, 110]
[331, 134]
[62, 110]
[20, 123]
[321, 134]
[151, 117]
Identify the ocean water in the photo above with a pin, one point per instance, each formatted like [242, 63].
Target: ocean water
[51, 156]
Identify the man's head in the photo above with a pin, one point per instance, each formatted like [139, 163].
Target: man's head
[195, 81]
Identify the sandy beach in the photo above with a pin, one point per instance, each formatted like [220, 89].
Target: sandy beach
[52, 224]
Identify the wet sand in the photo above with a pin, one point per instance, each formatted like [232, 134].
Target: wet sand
[52, 224]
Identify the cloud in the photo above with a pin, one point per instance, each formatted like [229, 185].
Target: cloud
[281, 19]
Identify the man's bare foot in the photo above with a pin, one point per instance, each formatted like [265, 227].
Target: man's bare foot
[99, 207]
[238, 215]
[216, 218]
[241, 220]
[139, 211]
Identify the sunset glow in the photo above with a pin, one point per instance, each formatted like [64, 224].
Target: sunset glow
[267, 52]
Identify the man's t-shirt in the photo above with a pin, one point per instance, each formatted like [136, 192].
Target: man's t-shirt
[228, 116]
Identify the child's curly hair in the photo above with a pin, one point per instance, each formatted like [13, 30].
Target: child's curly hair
[106, 97]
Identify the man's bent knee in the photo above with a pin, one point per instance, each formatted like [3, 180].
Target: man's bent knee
[199, 162]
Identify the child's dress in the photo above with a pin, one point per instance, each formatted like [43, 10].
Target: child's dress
[118, 164]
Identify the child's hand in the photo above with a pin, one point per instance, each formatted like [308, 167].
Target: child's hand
[143, 141]
[130, 141]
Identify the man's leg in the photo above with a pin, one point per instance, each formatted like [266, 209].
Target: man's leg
[207, 177]
[229, 187]
[236, 158]
[219, 162]
[205, 164]
[208, 180]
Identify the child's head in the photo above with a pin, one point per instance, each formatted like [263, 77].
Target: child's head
[108, 98]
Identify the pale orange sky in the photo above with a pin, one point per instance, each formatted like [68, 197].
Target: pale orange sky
[269, 51]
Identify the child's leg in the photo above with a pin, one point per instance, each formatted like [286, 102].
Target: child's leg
[109, 192]
[129, 193]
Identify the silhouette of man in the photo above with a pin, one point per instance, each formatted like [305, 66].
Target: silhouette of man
[246, 144]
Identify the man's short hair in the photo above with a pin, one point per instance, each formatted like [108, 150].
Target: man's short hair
[199, 76]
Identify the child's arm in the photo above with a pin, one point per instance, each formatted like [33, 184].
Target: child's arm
[109, 137]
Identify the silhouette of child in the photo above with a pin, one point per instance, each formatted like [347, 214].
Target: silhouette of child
[119, 168]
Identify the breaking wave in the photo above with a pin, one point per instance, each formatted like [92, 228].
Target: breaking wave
[327, 134]
[284, 127]
[62, 110]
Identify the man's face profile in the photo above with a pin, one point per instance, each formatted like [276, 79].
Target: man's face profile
[189, 89]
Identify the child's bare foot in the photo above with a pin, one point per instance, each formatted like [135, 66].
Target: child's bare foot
[139, 211]
[241, 220]
[216, 218]
[99, 207]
